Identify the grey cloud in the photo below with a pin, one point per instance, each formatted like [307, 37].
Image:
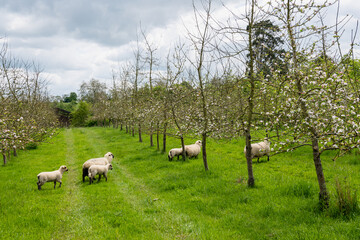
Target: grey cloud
[106, 22]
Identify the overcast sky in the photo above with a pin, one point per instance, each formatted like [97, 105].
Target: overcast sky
[76, 40]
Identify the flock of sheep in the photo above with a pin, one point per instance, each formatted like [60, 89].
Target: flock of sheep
[90, 168]
[101, 166]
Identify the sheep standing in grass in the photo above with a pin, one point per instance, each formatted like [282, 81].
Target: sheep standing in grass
[99, 169]
[174, 152]
[108, 157]
[54, 176]
[260, 149]
[193, 150]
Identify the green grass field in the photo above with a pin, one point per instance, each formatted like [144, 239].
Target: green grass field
[148, 197]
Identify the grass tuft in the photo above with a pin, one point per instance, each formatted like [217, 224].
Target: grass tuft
[346, 201]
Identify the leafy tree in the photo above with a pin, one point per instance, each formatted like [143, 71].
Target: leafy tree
[268, 54]
[71, 98]
[80, 115]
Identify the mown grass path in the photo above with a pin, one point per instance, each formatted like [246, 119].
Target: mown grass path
[148, 197]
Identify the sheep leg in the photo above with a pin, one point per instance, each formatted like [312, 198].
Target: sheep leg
[90, 180]
[85, 173]
[258, 160]
[99, 178]
[60, 184]
[268, 157]
[39, 185]
[54, 184]
[105, 175]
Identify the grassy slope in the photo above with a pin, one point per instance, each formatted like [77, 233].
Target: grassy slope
[148, 197]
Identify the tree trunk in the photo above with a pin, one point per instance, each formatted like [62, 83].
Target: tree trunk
[133, 131]
[323, 195]
[4, 158]
[15, 152]
[164, 138]
[157, 136]
[251, 180]
[151, 140]
[183, 148]
[140, 137]
[204, 151]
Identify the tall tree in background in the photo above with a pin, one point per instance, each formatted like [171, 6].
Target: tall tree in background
[93, 91]
[268, 54]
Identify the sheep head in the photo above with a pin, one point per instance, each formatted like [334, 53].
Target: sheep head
[63, 168]
[109, 156]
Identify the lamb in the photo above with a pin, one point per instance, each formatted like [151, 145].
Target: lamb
[260, 149]
[193, 150]
[54, 176]
[99, 169]
[174, 152]
[108, 157]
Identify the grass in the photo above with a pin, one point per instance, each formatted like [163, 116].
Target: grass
[148, 197]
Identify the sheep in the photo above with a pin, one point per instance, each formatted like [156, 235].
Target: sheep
[193, 150]
[174, 152]
[54, 176]
[108, 157]
[260, 149]
[99, 169]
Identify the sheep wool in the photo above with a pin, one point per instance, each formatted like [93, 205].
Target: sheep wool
[99, 169]
[54, 176]
[193, 150]
[260, 149]
[108, 157]
[174, 152]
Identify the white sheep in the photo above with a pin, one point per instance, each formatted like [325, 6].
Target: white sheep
[54, 176]
[108, 157]
[99, 169]
[174, 152]
[259, 149]
[193, 150]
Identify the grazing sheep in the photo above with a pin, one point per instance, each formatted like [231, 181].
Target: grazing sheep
[54, 176]
[259, 149]
[108, 157]
[193, 150]
[174, 152]
[99, 169]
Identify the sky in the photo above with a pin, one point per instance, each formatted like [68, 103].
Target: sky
[77, 40]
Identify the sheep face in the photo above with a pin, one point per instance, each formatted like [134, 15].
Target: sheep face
[198, 142]
[109, 154]
[63, 168]
[110, 167]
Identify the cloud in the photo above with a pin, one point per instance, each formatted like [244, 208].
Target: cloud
[77, 40]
